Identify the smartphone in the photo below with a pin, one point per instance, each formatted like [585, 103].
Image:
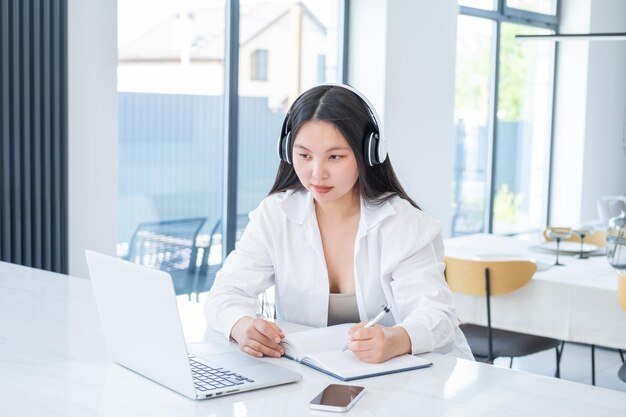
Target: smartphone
[337, 397]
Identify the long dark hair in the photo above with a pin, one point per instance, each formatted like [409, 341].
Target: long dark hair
[350, 115]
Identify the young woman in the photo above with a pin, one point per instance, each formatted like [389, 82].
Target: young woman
[339, 238]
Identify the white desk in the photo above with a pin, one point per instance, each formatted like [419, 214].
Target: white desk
[576, 302]
[53, 363]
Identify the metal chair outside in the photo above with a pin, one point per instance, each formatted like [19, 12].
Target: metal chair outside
[171, 247]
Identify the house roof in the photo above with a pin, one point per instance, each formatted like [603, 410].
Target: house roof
[207, 32]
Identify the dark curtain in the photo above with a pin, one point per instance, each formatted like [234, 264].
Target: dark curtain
[33, 133]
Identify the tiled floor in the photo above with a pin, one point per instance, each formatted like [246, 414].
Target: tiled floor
[575, 363]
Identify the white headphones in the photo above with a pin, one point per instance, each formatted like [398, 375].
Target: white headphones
[374, 143]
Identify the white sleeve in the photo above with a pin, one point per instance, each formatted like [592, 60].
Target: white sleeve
[247, 272]
[423, 299]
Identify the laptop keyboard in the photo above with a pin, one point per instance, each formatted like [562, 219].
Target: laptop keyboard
[206, 378]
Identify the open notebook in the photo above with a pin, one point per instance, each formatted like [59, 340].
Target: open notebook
[321, 349]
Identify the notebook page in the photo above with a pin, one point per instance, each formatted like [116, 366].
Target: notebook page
[316, 340]
[347, 365]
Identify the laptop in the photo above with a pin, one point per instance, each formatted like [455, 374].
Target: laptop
[143, 333]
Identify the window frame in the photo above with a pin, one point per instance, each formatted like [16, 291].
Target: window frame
[231, 108]
[505, 14]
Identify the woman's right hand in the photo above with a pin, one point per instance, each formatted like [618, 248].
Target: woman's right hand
[258, 337]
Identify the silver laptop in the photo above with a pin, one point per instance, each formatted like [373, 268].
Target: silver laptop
[143, 333]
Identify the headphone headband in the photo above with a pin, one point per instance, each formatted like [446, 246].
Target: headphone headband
[375, 148]
[368, 105]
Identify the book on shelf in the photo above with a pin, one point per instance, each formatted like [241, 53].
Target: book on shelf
[321, 349]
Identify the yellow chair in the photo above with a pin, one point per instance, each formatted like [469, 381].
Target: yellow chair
[494, 278]
[621, 289]
[621, 296]
[597, 237]
[573, 237]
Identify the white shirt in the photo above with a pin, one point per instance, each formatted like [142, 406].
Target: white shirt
[398, 260]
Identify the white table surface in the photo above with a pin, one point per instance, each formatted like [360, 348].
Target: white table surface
[576, 302]
[53, 363]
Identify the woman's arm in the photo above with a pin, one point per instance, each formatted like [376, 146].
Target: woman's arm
[423, 299]
[233, 300]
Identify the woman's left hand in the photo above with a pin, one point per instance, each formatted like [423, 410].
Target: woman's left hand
[377, 344]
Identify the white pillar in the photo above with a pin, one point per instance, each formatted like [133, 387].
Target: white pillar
[590, 113]
[92, 130]
[402, 56]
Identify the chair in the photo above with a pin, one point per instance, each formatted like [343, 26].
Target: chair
[572, 238]
[207, 272]
[597, 237]
[621, 296]
[169, 246]
[494, 278]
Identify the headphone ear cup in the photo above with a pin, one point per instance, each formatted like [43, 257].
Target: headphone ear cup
[286, 155]
[370, 149]
[381, 149]
[279, 147]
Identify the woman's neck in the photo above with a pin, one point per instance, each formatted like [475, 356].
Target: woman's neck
[342, 209]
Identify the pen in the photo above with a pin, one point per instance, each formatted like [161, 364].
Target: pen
[381, 313]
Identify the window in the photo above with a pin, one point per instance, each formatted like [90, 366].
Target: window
[503, 117]
[170, 87]
[546, 7]
[524, 119]
[171, 92]
[302, 39]
[258, 65]
[321, 69]
[537, 6]
[480, 4]
[473, 119]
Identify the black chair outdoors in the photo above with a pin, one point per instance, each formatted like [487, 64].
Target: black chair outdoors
[206, 275]
[171, 247]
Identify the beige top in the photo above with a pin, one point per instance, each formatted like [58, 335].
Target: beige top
[342, 308]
